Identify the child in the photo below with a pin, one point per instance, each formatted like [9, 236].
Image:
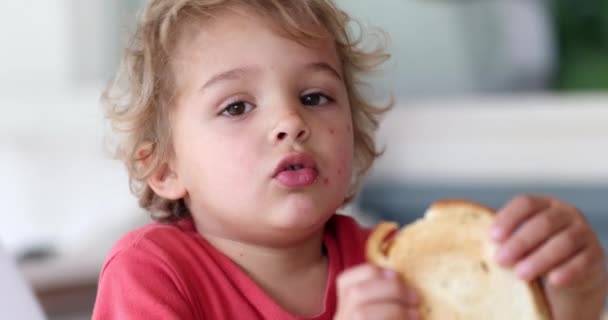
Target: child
[245, 131]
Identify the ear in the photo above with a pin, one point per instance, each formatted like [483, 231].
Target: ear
[166, 183]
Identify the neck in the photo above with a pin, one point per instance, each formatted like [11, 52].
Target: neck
[280, 271]
[258, 260]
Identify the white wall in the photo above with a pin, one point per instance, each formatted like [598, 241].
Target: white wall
[54, 53]
[60, 187]
[35, 45]
[497, 140]
[446, 47]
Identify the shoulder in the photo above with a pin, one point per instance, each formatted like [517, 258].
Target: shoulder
[146, 275]
[162, 243]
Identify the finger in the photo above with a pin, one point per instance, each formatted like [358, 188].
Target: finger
[407, 293]
[357, 278]
[514, 213]
[381, 291]
[578, 269]
[388, 311]
[531, 234]
[358, 274]
[559, 248]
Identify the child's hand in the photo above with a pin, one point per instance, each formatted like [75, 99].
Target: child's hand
[548, 238]
[369, 292]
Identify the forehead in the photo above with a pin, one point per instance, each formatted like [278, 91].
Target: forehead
[230, 30]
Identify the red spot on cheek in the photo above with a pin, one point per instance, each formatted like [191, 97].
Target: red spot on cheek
[326, 181]
[332, 131]
[349, 128]
[340, 171]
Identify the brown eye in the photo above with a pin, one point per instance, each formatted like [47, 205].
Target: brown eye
[315, 99]
[237, 109]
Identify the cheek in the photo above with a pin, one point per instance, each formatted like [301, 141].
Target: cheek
[343, 150]
[239, 159]
[349, 141]
[219, 163]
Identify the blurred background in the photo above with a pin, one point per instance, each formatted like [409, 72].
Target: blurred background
[493, 99]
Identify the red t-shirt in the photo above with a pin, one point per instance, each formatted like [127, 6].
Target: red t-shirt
[169, 271]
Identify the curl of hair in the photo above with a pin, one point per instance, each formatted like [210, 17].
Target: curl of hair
[139, 99]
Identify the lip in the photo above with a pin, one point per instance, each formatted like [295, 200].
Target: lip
[300, 158]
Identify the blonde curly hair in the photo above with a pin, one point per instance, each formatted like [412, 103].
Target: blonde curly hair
[139, 99]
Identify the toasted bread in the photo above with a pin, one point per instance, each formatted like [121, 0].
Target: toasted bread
[448, 257]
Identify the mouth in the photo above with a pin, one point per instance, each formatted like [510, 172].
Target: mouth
[296, 171]
[295, 167]
[295, 162]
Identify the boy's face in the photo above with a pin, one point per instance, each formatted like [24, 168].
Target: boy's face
[262, 132]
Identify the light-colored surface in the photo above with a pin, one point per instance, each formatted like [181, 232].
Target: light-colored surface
[16, 298]
[71, 43]
[497, 140]
[438, 47]
[61, 189]
[444, 47]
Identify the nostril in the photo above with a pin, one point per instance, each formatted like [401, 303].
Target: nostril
[281, 135]
[301, 134]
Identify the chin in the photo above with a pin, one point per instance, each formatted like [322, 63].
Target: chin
[304, 213]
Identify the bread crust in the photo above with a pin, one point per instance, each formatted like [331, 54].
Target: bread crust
[453, 232]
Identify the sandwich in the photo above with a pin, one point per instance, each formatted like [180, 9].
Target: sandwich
[448, 258]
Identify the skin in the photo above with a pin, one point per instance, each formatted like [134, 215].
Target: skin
[368, 292]
[544, 237]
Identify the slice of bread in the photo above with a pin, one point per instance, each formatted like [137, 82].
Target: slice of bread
[448, 257]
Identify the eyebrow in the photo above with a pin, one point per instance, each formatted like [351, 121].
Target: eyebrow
[232, 74]
[243, 72]
[323, 66]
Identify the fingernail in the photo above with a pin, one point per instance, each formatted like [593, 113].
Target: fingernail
[557, 279]
[497, 233]
[504, 256]
[390, 274]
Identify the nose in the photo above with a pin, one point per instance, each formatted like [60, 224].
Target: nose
[290, 127]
